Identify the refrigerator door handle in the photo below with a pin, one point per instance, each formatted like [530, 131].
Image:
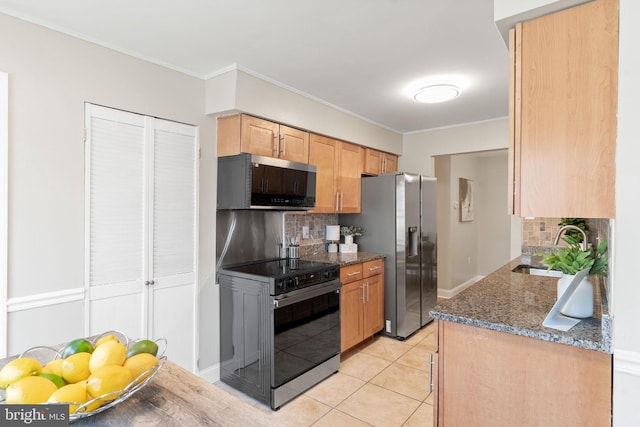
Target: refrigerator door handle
[413, 242]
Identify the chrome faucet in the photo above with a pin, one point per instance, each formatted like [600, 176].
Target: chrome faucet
[583, 244]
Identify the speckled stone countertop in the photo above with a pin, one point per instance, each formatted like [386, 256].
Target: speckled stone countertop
[517, 303]
[344, 259]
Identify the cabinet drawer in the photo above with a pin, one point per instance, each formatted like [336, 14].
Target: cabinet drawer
[371, 268]
[351, 273]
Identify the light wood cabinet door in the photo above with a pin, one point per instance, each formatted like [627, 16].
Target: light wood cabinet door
[323, 153]
[389, 163]
[372, 161]
[563, 112]
[349, 180]
[373, 305]
[294, 144]
[259, 136]
[351, 315]
[490, 378]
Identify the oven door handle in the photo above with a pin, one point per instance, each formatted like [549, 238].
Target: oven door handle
[313, 292]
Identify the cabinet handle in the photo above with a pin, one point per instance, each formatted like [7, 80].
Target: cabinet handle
[355, 273]
[430, 378]
[337, 206]
[367, 285]
[149, 282]
[341, 200]
[284, 145]
[384, 165]
[362, 287]
[262, 184]
[276, 142]
[374, 268]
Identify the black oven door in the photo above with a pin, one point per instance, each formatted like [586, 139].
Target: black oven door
[306, 330]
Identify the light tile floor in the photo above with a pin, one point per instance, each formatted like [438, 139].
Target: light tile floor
[383, 382]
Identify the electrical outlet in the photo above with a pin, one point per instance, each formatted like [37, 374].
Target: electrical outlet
[305, 231]
[387, 327]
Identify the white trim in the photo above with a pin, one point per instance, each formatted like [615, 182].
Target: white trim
[627, 362]
[44, 299]
[448, 293]
[4, 208]
[210, 374]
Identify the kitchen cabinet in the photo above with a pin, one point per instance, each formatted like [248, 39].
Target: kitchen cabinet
[361, 302]
[377, 162]
[490, 378]
[242, 133]
[337, 174]
[563, 104]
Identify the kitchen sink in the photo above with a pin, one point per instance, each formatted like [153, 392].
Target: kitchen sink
[536, 271]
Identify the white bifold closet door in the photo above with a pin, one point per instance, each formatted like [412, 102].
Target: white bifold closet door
[141, 229]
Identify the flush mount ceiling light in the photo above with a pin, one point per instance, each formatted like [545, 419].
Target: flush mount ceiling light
[435, 93]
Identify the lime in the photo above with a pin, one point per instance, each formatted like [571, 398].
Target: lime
[73, 394]
[30, 390]
[75, 368]
[81, 345]
[56, 379]
[140, 363]
[19, 368]
[108, 353]
[142, 346]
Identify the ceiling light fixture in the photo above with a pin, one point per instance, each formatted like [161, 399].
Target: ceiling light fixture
[435, 93]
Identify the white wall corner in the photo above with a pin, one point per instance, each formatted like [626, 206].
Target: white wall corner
[210, 374]
[449, 293]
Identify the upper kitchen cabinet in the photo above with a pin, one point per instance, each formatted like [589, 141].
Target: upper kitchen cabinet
[563, 94]
[241, 133]
[377, 162]
[337, 176]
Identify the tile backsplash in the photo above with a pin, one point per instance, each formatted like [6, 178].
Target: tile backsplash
[538, 234]
[317, 223]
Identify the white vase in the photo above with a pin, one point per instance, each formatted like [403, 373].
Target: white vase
[580, 305]
[348, 240]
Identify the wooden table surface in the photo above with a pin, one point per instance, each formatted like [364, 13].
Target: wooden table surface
[176, 397]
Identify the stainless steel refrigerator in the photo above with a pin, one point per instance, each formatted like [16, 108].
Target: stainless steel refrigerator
[400, 220]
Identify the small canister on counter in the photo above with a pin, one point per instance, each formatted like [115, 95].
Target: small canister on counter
[284, 251]
[294, 251]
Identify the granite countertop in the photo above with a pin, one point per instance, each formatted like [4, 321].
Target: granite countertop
[517, 303]
[344, 259]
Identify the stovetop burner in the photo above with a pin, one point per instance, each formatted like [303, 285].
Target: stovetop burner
[285, 275]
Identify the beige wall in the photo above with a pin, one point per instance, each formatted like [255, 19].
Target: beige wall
[51, 76]
[237, 90]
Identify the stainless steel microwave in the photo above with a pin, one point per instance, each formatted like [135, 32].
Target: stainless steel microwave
[249, 181]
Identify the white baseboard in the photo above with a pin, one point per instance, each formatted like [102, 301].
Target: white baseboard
[627, 362]
[448, 293]
[210, 374]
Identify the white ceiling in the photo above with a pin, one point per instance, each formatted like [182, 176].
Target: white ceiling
[358, 55]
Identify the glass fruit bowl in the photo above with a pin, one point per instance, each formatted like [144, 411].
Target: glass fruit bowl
[44, 354]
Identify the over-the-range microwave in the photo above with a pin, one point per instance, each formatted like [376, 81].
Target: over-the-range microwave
[249, 181]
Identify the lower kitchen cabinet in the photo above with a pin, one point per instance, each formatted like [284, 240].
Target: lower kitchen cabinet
[490, 378]
[361, 302]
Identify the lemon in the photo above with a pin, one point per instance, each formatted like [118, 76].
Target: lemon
[142, 346]
[75, 368]
[140, 363]
[19, 368]
[108, 379]
[73, 394]
[56, 379]
[105, 339]
[108, 353]
[29, 390]
[81, 345]
[53, 367]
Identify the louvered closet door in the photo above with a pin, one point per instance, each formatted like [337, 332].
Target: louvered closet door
[142, 211]
[116, 220]
[173, 236]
